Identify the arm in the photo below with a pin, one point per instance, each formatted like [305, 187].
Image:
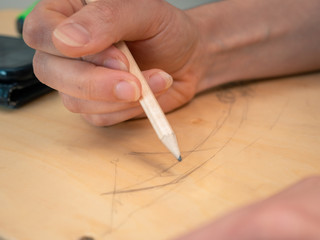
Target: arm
[291, 214]
[258, 39]
[182, 52]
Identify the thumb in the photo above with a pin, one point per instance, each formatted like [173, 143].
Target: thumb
[101, 23]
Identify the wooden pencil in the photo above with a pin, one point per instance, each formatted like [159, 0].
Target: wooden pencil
[151, 106]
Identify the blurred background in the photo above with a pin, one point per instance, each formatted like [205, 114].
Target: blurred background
[22, 4]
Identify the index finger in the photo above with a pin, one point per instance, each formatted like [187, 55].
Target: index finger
[43, 19]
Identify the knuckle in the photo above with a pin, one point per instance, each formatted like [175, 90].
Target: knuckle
[71, 104]
[97, 87]
[30, 31]
[100, 120]
[185, 93]
[105, 13]
[88, 88]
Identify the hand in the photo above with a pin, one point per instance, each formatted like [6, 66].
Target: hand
[76, 56]
[293, 214]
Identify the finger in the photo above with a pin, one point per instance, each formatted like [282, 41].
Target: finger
[112, 118]
[83, 106]
[159, 81]
[101, 23]
[43, 19]
[85, 80]
[111, 58]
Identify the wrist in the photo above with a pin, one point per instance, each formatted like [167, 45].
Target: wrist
[248, 39]
[225, 36]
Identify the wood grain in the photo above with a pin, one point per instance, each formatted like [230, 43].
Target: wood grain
[61, 178]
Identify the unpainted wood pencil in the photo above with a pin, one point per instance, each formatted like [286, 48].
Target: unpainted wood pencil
[151, 106]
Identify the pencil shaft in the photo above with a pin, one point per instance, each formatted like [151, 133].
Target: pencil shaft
[151, 107]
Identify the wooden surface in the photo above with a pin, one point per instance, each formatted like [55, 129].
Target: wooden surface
[61, 178]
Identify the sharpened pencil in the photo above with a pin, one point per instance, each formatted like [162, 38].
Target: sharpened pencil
[151, 107]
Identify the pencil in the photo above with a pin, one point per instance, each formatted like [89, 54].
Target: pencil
[151, 106]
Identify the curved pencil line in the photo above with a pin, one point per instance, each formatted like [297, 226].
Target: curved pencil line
[130, 215]
[175, 181]
[187, 173]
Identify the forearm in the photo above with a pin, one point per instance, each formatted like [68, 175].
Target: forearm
[249, 39]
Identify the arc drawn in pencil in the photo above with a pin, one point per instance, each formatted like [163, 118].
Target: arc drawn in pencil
[174, 183]
[113, 199]
[218, 125]
[214, 131]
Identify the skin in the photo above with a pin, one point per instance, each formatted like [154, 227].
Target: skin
[200, 48]
[292, 214]
[88, 88]
[181, 54]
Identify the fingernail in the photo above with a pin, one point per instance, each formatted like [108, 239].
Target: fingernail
[160, 81]
[115, 64]
[72, 34]
[127, 91]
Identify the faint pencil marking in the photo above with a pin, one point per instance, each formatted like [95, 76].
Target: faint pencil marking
[250, 144]
[225, 145]
[168, 153]
[226, 96]
[179, 179]
[113, 208]
[218, 126]
[175, 181]
[280, 114]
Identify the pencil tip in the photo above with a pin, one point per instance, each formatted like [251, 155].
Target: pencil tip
[179, 159]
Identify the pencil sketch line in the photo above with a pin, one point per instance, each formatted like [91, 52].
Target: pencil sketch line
[137, 189]
[114, 193]
[221, 149]
[168, 168]
[215, 129]
[174, 181]
[218, 125]
[280, 114]
[168, 153]
[148, 153]
[250, 144]
[147, 180]
[179, 179]
[226, 95]
[132, 213]
[189, 172]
